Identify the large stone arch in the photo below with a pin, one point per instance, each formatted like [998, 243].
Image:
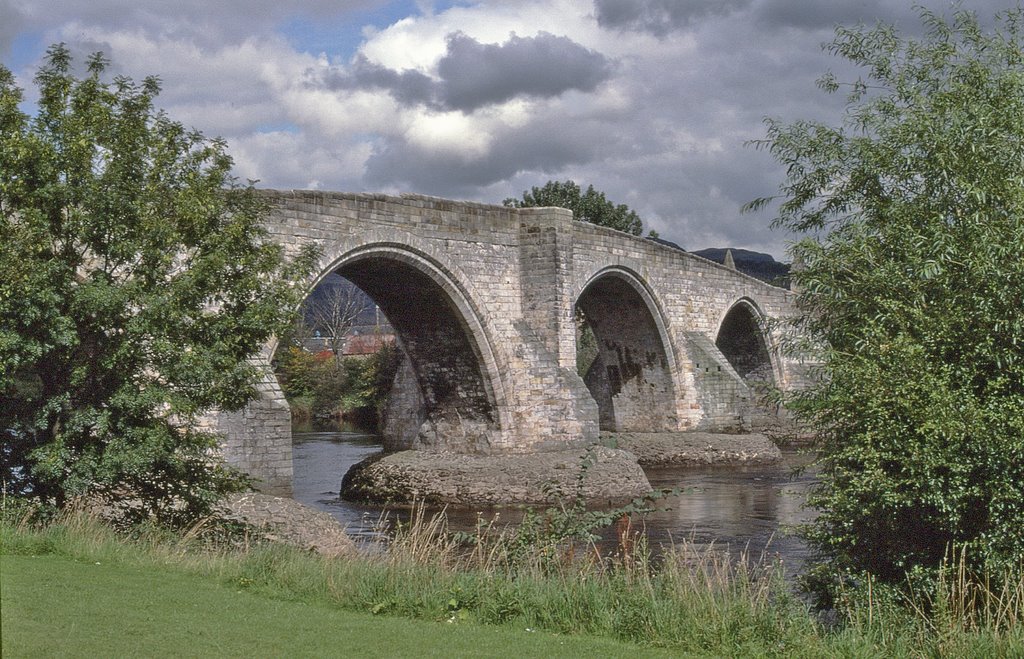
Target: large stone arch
[744, 340]
[442, 331]
[632, 375]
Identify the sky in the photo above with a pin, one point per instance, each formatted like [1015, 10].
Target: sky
[653, 102]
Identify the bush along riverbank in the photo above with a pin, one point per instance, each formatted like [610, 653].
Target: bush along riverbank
[545, 575]
[322, 387]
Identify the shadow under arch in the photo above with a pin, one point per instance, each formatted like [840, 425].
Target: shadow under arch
[453, 365]
[629, 373]
[742, 339]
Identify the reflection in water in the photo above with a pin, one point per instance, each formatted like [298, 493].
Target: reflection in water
[749, 509]
[744, 509]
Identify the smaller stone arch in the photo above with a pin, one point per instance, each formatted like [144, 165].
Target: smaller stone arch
[744, 340]
[631, 374]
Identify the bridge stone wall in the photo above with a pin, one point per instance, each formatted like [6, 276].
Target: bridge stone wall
[688, 297]
[484, 297]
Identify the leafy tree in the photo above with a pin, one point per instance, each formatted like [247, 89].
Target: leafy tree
[135, 282]
[589, 206]
[913, 289]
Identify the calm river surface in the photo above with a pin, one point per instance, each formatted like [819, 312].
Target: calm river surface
[748, 509]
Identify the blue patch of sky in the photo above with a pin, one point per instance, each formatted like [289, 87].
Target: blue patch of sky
[26, 50]
[341, 37]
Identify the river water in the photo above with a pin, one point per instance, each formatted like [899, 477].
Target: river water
[745, 510]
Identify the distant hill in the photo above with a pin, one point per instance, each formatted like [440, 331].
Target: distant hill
[755, 264]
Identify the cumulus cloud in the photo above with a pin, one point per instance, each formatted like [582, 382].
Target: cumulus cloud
[300, 160]
[408, 87]
[826, 14]
[222, 89]
[662, 17]
[651, 101]
[472, 75]
[13, 21]
[200, 21]
[548, 144]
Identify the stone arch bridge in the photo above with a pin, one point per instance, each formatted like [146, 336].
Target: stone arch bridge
[485, 301]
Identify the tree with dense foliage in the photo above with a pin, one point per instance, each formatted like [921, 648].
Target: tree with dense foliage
[912, 288]
[136, 282]
[587, 206]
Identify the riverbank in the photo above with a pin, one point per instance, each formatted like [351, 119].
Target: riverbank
[194, 595]
[136, 611]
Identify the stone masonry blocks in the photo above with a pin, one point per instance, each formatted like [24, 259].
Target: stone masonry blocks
[500, 287]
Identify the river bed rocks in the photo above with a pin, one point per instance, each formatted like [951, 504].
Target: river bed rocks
[694, 448]
[612, 476]
[285, 520]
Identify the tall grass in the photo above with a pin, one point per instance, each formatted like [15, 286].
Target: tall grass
[958, 613]
[967, 600]
[691, 600]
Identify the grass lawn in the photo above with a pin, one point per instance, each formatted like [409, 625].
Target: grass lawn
[53, 606]
[74, 588]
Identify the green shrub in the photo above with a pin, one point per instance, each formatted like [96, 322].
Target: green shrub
[320, 385]
[911, 293]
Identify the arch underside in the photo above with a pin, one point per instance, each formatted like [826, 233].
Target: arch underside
[453, 406]
[630, 376]
[741, 340]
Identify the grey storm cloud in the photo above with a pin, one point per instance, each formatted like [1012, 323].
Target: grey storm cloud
[828, 13]
[408, 87]
[672, 141]
[206, 23]
[473, 75]
[660, 17]
[477, 74]
[13, 21]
